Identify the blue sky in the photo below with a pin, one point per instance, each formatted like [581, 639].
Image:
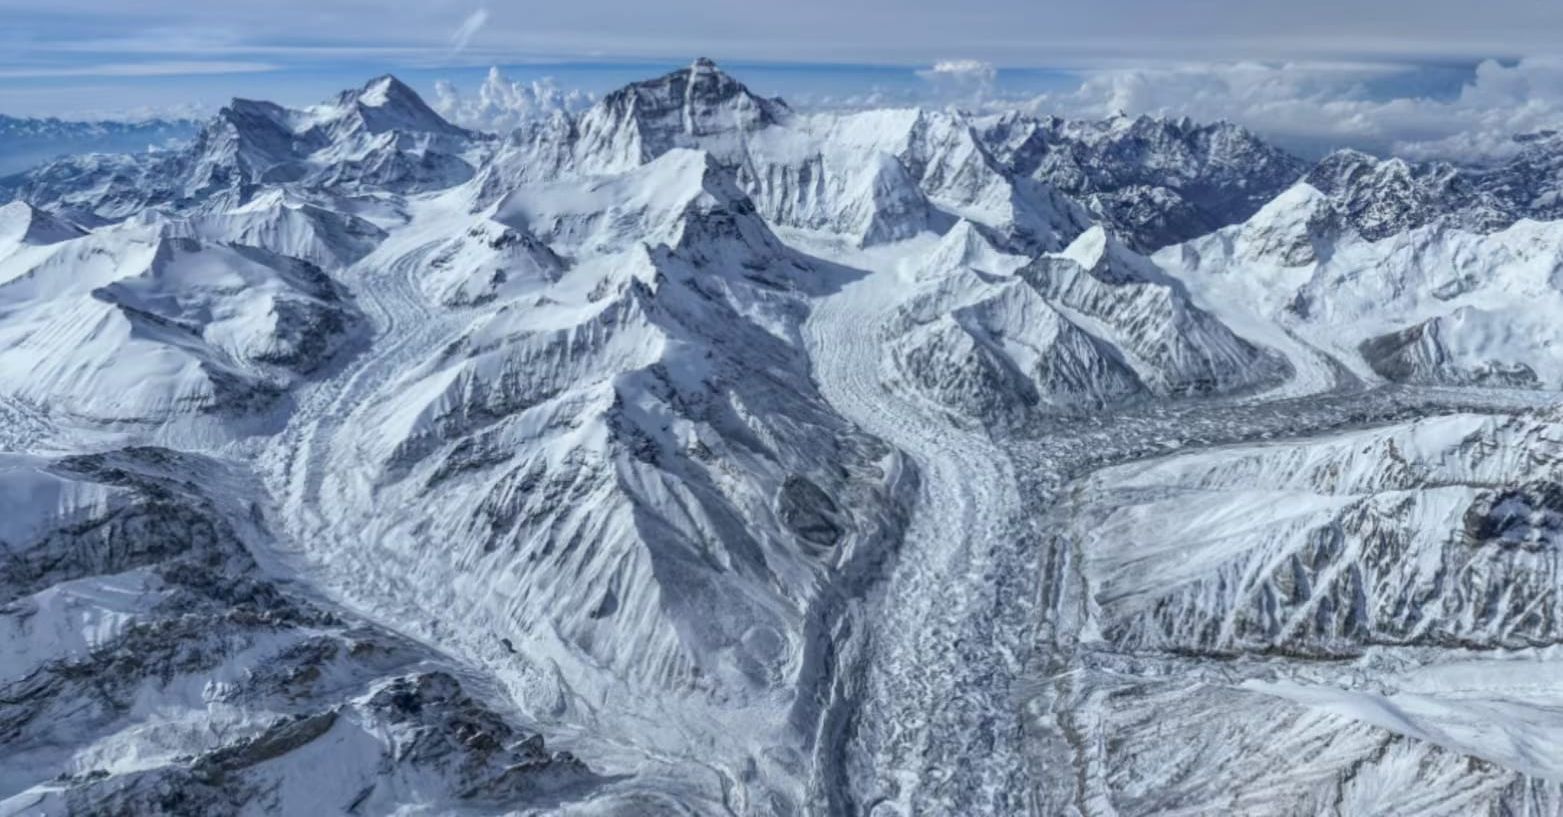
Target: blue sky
[65, 56]
[1402, 73]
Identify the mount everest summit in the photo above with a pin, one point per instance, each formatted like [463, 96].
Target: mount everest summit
[693, 454]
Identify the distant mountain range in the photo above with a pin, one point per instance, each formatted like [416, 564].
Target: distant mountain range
[692, 454]
[27, 142]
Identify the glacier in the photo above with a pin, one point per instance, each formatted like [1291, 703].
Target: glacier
[693, 454]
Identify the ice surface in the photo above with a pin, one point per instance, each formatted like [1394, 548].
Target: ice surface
[695, 455]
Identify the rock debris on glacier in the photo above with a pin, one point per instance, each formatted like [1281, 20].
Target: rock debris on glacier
[696, 454]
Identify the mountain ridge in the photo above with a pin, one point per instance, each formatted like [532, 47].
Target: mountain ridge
[694, 454]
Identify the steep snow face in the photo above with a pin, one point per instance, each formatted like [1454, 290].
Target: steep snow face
[490, 261]
[1091, 326]
[873, 177]
[1174, 347]
[1002, 348]
[384, 104]
[881, 176]
[681, 198]
[699, 107]
[1438, 532]
[1436, 304]
[1152, 180]
[124, 325]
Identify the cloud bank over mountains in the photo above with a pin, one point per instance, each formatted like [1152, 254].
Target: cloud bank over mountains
[1309, 107]
[503, 104]
[1315, 106]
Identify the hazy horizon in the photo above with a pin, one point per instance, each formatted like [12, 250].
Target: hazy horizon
[1418, 79]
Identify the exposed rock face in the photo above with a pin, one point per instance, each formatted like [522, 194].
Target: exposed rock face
[146, 543]
[1427, 534]
[1381, 197]
[1153, 181]
[699, 107]
[695, 455]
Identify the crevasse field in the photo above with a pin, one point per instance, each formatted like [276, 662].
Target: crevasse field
[696, 455]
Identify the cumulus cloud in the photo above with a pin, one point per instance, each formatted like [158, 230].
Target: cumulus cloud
[968, 82]
[1466, 114]
[1318, 106]
[962, 70]
[503, 104]
[468, 29]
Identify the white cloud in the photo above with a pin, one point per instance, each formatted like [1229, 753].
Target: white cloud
[468, 29]
[961, 70]
[1309, 107]
[503, 104]
[1314, 106]
[964, 82]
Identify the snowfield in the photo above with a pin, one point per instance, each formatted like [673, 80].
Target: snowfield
[696, 455]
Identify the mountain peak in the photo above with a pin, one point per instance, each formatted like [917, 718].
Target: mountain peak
[1105, 256]
[382, 90]
[22, 223]
[386, 103]
[681, 108]
[1094, 246]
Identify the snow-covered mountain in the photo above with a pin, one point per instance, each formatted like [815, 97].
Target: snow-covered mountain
[379, 138]
[1433, 304]
[694, 454]
[27, 142]
[1153, 181]
[1091, 326]
[1379, 198]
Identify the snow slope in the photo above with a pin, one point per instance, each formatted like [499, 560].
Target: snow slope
[1393, 580]
[691, 454]
[124, 325]
[1434, 304]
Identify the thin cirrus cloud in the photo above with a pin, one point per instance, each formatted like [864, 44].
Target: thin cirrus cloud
[171, 68]
[1007, 32]
[468, 29]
